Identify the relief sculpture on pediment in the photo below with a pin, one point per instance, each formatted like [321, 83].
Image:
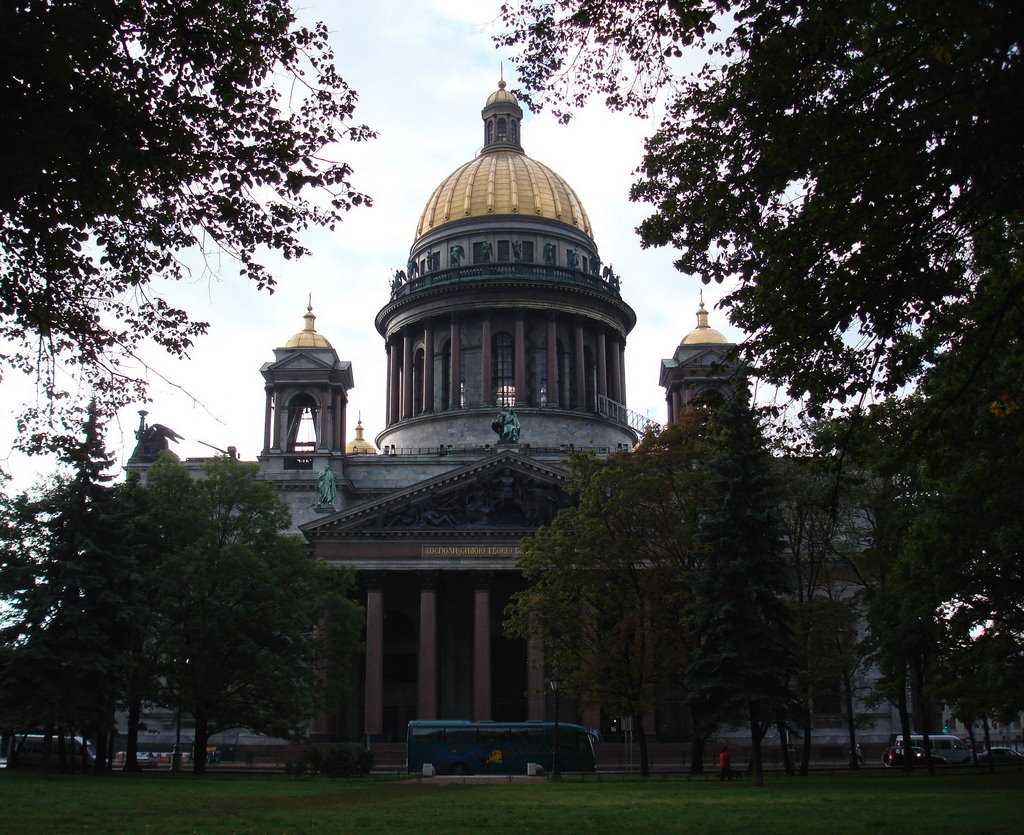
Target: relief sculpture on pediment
[506, 498]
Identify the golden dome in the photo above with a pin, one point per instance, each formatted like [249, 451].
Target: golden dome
[360, 446]
[703, 334]
[501, 95]
[308, 337]
[503, 182]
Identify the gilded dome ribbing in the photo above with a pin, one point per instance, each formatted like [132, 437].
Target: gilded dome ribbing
[502, 180]
[308, 337]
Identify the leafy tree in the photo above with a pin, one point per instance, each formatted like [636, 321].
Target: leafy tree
[135, 130]
[608, 576]
[72, 597]
[741, 662]
[250, 629]
[822, 539]
[851, 166]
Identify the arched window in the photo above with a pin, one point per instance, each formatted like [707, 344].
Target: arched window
[504, 369]
[501, 130]
[303, 427]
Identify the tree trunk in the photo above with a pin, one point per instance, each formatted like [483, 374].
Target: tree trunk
[99, 767]
[787, 760]
[805, 748]
[638, 729]
[756, 734]
[131, 748]
[851, 723]
[202, 735]
[901, 705]
[697, 755]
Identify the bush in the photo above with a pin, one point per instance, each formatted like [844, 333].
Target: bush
[342, 760]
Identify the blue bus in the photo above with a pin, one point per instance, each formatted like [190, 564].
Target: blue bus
[457, 746]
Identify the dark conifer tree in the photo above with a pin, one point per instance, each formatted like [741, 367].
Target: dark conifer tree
[742, 658]
[71, 590]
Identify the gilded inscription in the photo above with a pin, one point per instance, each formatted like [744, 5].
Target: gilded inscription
[470, 551]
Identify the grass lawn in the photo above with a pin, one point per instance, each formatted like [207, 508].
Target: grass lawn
[963, 802]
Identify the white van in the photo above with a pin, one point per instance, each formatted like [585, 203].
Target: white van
[29, 749]
[951, 748]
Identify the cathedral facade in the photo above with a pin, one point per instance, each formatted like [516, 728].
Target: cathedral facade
[505, 335]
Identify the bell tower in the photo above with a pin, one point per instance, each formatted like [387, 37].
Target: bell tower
[307, 394]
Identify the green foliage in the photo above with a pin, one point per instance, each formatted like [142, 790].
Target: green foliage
[342, 760]
[850, 168]
[138, 130]
[249, 629]
[71, 594]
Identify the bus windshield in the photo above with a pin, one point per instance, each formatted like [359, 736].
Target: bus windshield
[462, 747]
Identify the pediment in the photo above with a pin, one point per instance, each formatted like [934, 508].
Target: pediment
[505, 492]
[302, 361]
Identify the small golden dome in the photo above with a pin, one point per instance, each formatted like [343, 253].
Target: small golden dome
[503, 182]
[703, 334]
[308, 337]
[501, 95]
[360, 446]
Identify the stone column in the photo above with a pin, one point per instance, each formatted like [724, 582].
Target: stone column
[617, 393]
[323, 435]
[677, 405]
[407, 375]
[581, 377]
[340, 402]
[373, 697]
[486, 372]
[455, 372]
[481, 647]
[394, 376]
[426, 701]
[428, 368]
[621, 357]
[552, 361]
[520, 359]
[268, 416]
[602, 366]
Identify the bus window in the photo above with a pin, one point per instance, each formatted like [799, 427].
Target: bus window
[492, 736]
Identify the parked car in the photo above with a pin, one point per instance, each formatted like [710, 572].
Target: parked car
[1002, 756]
[145, 759]
[893, 758]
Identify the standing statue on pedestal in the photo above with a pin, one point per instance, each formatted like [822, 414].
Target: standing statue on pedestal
[506, 424]
[327, 485]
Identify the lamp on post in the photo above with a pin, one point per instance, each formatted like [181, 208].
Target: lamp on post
[556, 769]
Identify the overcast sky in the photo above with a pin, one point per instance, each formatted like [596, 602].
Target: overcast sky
[423, 70]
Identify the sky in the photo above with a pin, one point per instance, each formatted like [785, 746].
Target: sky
[423, 70]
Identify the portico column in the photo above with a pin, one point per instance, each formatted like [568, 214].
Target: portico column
[535, 689]
[581, 377]
[426, 701]
[520, 361]
[486, 372]
[407, 375]
[481, 647]
[677, 405]
[373, 695]
[455, 372]
[552, 361]
[428, 368]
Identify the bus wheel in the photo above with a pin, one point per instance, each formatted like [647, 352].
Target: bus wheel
[459, 768]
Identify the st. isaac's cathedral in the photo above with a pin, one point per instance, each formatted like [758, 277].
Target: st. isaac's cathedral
[505, 336]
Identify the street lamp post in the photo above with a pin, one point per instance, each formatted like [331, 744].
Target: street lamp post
[556, 768]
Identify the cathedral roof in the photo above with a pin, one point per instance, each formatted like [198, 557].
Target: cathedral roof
[308, 337]
[502, 179]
